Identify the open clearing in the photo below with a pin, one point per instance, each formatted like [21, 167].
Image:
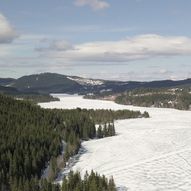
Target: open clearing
[146, 155]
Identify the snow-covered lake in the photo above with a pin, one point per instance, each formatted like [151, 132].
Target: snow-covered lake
[147, 154]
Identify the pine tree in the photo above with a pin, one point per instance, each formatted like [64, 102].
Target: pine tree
[111, 186]
[99, 132]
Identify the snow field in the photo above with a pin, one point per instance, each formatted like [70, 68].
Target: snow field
[151, 154]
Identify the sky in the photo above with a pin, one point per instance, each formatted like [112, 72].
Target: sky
[139, 40]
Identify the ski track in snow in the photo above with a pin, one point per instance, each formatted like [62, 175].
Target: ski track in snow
[147, 154]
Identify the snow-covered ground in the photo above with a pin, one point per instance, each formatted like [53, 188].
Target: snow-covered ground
[146, 155]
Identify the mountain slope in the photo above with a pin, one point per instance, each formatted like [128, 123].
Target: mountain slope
[57, 83]
[46, 82]
[6, 81]
[9, 90]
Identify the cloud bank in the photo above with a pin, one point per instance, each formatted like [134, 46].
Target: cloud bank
[7, 32]
[154, 57]
[94, 4]
[132, 48]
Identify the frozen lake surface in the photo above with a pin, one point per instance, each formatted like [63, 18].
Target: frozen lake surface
[147, 154]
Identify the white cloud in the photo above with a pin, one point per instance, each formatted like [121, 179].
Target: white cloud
[7, 33]
[56, 45]
[132, 48]
[92, 58]
[95, 4]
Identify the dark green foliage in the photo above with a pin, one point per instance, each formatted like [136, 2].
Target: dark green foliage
[31, 136]
[57, 83]
[106, 130]
[31, 96]
[53, 168]
[101, 116]
[146, 114]
[179, 98]
[33, 185]
[46, 83]
[28, 138]
[37, 98]
[90, 182]
[100, 132]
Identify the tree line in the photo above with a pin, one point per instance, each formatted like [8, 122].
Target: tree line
[73, 182]
[178, 98]
[92, 181]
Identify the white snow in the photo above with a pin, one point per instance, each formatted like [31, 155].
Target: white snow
[85, 81]
[147, 154]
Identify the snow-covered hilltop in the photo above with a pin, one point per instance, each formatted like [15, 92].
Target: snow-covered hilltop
[86, 81]
[146, 155]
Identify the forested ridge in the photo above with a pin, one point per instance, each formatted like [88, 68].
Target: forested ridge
[34, 97]
[178, 98]
[58, 83]
[31, 136]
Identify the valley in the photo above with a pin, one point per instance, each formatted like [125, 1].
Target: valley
[147, 154]
[95, 95]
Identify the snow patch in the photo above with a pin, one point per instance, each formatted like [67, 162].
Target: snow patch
[84, 81]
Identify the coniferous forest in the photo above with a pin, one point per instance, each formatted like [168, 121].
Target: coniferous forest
[31, 136]
[90, 182]
[178, 98]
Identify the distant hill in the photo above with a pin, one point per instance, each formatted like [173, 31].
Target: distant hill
[46, 83]
[9, 90]
[6, 81]
[35, 97]
[57, 83]
[178, 98]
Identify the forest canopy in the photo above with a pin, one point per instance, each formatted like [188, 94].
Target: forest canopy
[31, 136]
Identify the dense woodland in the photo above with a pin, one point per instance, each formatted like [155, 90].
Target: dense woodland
[179, 98]
[34, 97]
[31, 136]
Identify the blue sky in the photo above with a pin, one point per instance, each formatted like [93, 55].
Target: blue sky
[110, 39]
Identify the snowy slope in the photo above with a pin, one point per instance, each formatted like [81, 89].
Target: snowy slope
[147, 154]
[86, 81]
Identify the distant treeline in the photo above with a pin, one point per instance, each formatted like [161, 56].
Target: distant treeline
[178, 98]
[30, 96]
[100, 116]
[34, 97]
[31, 136]
[37, 98]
